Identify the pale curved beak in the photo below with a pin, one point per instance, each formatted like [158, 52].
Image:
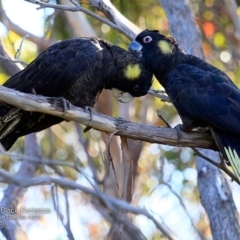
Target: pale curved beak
[123, 97]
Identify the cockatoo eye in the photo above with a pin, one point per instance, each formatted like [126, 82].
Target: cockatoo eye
[147, 39]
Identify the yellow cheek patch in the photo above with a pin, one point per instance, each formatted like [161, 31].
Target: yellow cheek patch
[164, 47]
[132, 72]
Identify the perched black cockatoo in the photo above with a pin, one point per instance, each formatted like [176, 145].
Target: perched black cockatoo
[203, 95]
[77, 70]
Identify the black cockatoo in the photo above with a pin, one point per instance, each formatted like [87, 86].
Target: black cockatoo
[203, 95]
[77, 70]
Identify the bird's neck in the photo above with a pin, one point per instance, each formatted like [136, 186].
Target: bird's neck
[163, 65]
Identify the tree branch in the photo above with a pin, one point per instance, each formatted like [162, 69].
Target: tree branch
[111, 203]
[143, 132]
[13, 193]
[77, 8]
[106, 7]
[7, 63]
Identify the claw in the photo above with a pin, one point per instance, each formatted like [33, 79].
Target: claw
[88, 108]
[34, 91]
[202, 129]
[182, 128]
[86, 129]
[64, 103]
[179, 130]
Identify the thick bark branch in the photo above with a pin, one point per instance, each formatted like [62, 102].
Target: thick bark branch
[217, 199]
[143, 132]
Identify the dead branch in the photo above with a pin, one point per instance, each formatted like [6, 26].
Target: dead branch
[76, 8]
[113, 204]
[116, 17]
[13, 193]
[143, 132]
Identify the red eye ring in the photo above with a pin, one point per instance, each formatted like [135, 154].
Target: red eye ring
[147, 39]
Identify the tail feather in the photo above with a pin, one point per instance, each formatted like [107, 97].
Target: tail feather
[17, 123]
[229, 146]
[8, 141]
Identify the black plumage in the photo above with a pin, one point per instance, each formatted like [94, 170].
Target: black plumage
[203, 95]
[77, 70]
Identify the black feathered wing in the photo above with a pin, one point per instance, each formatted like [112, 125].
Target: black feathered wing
[66, 69]
[56, 69]
[204, 98]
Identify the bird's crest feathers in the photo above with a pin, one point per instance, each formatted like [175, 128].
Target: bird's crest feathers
[132, 71]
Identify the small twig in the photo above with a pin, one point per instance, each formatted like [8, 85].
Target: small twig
[14, 61]
[74, 2]
[68, 225]
[19, 50]
[111, 203]
[55, 201]
[109, 157]
[220, 165]
[164, 120]
[84, 142]
[185, 209]
[163, 182]
[77, 8]
[56, 208]
[128, 166]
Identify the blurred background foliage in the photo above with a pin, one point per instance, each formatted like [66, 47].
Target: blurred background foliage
[165, 176]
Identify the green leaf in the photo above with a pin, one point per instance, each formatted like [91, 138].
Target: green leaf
[234, 160]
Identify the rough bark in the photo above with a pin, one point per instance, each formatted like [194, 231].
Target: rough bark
[143, 132]
[216, 197]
